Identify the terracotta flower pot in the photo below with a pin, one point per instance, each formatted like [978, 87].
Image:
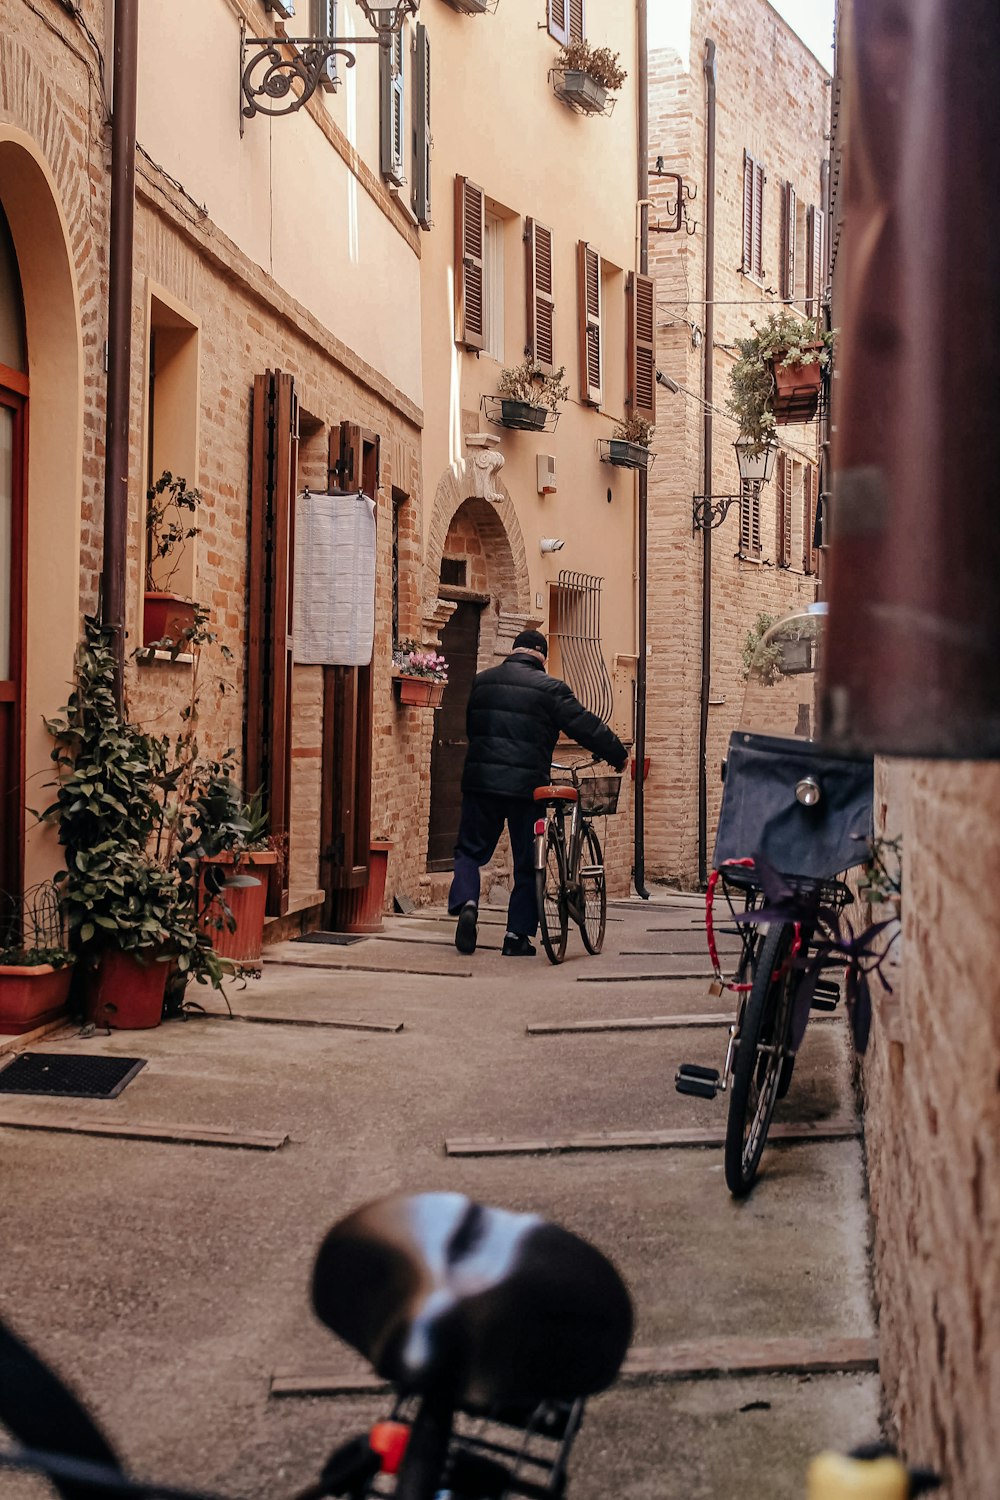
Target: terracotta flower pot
[30, 995]
[165, 615]
[422, 692]
[126, 993]
[248, 904]
[361, 909]
[797, 389]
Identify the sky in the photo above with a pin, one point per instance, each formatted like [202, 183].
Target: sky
[670, 21]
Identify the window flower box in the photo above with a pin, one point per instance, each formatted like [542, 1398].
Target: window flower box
[523, 416]
[472, 7]
[419, 692]
[625, 455]
[165, 616]
[31, 995]
[796, 388]
[578, 89]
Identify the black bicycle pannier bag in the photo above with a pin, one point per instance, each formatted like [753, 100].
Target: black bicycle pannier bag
[761, 815]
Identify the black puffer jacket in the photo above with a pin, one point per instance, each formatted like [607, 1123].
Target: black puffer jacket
[515, 715]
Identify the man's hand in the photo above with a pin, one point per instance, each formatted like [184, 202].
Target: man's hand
[621, 762]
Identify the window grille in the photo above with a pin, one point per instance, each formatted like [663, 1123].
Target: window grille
[576, 624]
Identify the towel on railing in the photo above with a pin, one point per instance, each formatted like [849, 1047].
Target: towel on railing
[333, 619]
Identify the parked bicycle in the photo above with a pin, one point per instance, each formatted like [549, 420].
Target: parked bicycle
[569, 863]
[796, 818]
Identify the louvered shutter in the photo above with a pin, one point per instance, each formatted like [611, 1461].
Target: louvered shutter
[641, 302]
[758, 222]
[788, 207]
[470, 234]
[390, 77]
[783, 500]
[810, 489]
[748, 181]
[422, 129]
[558, 20]
[749, 518]
[541, 302]
[591, 354]
[576, 20]
[814, 264]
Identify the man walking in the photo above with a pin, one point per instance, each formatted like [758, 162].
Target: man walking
[515, 715]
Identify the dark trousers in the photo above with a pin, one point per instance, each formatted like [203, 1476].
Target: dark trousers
[478, 835]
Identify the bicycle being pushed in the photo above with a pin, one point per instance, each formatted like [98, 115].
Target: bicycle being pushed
[569, 862]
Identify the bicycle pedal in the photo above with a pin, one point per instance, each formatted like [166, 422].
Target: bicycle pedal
[703, 1083]
[828, 989]
[820, 1003]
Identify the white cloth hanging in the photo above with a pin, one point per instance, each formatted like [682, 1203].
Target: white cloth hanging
[333, 615]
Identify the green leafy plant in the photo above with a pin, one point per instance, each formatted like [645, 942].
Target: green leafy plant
[882, 875]
[599, 63]
[751, 645]
[529, 383]
[790, 340]
[25, 958]
[634, 429]
[168, 501]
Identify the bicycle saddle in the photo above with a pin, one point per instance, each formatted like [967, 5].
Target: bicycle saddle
[476, 1305]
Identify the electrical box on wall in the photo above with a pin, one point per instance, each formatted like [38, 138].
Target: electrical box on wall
[545, 466]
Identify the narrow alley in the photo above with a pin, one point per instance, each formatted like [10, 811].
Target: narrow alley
[169, 1282]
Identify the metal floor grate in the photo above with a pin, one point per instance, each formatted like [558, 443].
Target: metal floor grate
[341, 939]
[71, 1077]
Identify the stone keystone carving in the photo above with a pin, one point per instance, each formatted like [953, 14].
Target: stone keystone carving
[484, 464]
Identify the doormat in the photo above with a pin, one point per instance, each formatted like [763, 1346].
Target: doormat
[341, 939]
[71, 1077]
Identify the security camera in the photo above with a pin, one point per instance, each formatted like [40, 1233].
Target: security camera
[550, 544]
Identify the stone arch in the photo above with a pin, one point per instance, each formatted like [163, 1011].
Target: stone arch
[44, 243]
[498, 526]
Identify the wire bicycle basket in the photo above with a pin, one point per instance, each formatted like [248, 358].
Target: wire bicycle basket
[599, 795]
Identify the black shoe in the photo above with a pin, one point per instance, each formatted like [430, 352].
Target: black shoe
[517, 947]
[465, 932]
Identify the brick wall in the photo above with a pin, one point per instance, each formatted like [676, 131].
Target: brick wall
[772, 100]
[932, 1125]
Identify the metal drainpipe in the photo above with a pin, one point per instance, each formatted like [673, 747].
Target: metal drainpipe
[639, 802]
[116, 464]
[706, 567]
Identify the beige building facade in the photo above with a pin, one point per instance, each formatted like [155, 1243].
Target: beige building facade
[772, 116]
[294, 326]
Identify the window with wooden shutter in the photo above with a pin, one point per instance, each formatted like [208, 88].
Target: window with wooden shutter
[470, 234]
[591, 352]
[640, 297]
[814, 263]
[559, 19]
[810, 493]
[753, 218]
[575, 9]
[749, 518]
[788, 211]
[268, 742]
[390, 78]
[422, 128]
[541, 302]
[348, 704]
[324, 23]
[783, 512]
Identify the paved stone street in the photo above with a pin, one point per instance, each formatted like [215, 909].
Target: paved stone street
[169, 1282]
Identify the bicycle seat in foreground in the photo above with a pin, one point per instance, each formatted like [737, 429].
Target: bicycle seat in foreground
[476, 1305]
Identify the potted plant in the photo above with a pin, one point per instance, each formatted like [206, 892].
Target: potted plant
[34, 987]
[361, 908]
[165, 615]
[420, 676]
[234, 869]
[122, 807]
[778, 374]
[584, 76]
[528, 394]
[629, 447]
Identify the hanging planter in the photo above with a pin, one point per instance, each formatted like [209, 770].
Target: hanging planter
[586, 77]
[420, 692]
[529, 398]
[796, 387]
[778, 376]
[522, 415]
[629, 448]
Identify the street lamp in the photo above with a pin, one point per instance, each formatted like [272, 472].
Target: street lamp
[756, 465]
[271, 92]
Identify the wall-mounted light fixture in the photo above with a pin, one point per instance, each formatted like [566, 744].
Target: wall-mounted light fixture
[268, 74]
[550, 544]
[756, 465]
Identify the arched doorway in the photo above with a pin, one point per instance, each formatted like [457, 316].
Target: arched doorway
[13, 561]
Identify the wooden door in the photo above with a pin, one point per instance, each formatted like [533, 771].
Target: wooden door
[460, 648]
[13, 435]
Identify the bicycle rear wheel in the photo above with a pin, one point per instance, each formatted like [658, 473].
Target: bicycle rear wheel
[593, 892]
[760, 1059]
[550, 885]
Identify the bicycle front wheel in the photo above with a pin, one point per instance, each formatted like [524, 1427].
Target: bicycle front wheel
[553, 910]
[760, 1056]
[593, 892]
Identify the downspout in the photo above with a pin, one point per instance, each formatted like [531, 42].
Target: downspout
[117, 424]
[709, 360]
[642, 182]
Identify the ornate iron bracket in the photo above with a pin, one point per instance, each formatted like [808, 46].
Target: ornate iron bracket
[676, 207]
[281, 71]
[711, 510]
